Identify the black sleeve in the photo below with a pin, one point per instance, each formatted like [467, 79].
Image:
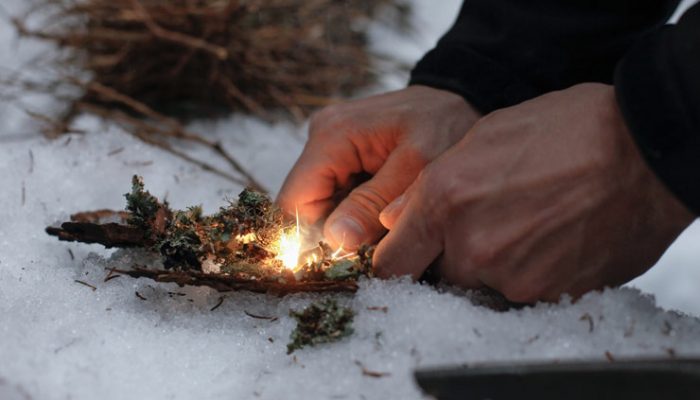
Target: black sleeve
[658, 88]
[502, 52]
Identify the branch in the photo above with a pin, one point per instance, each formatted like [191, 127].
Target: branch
[227, 283]
[109, 235]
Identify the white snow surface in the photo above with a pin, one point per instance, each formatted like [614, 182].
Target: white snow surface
[62, 340]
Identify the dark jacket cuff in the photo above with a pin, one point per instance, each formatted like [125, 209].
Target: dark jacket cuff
[486, 85]
[653, 95]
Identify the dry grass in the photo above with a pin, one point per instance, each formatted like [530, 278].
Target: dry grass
[147, 65]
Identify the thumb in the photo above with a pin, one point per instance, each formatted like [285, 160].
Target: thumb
[356, 219]
[413, 243]
[391, 213]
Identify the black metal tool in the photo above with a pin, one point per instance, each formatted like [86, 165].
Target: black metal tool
[639, 379]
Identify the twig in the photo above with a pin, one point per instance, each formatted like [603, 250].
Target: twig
[139, 295]
[177, 37]
[109, 235]
[144, 131]
[218, 304]
[31, 161]
[587, 317]
[226, 283]
[271, 319]
[369, 373]
[86, 284]
[115, 152]
[175, 129]
[609, 356]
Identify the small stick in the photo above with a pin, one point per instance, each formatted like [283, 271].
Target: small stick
[143, 131]
[31, 161]
[271, 319]
[139, 295]
[532, 339]
[383, 309]
[177, 37]
[24, 194]
[369, 373]
[86, 284]
[218, 304]
[587, 317]
[609, 356]
[115, 152]
[72, 256]
[225, 283]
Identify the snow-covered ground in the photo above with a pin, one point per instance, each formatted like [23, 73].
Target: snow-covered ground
[60, 339]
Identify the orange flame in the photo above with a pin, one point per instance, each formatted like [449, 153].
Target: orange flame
[290, 246]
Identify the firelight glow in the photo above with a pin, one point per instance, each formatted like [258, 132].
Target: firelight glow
[290, 246]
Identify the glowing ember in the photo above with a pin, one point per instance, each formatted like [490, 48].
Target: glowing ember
[290, 247]
[337, 252]
[247, 238]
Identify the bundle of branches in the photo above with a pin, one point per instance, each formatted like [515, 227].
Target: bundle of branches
[149, 64]
[244, 246]
[243, 55]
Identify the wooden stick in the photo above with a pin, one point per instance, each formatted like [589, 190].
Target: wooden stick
[227, 283]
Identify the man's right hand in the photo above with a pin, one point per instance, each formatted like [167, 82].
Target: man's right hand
[390, 137]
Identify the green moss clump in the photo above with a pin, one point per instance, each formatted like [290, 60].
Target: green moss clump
[182, 246]
[141, 204]
[320, 322]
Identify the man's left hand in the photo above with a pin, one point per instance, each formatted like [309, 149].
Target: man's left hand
[544, 198]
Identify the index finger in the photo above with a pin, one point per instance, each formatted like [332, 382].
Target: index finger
[321, 169]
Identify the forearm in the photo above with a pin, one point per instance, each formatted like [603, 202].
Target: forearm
[658, 89]
[502, 52]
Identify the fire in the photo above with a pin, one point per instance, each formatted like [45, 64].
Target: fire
[247, 238]
[290, 246]
[289, 249]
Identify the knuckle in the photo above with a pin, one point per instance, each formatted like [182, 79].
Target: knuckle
[482, 257]
[517, 291]
[487, 119]
[431, 186]
[323, 118]
[443, 193]
[369, 199]
[416, 156]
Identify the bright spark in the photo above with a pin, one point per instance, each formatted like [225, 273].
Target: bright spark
[290, 246]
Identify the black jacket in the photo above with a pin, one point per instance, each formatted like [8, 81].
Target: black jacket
[502, 52]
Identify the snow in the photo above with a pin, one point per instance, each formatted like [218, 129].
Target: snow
[61, 339]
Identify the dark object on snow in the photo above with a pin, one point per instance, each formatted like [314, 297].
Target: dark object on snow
[320, 322]
[619, 380]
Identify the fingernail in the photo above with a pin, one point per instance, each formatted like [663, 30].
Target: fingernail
[348, 232]
[394, 205]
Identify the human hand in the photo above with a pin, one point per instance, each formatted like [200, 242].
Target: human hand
[391, 136]
[544, 198]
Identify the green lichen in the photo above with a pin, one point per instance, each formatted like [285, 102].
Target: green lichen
[320, 322]
[342, 269]
[253, 203]
[142, 206]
